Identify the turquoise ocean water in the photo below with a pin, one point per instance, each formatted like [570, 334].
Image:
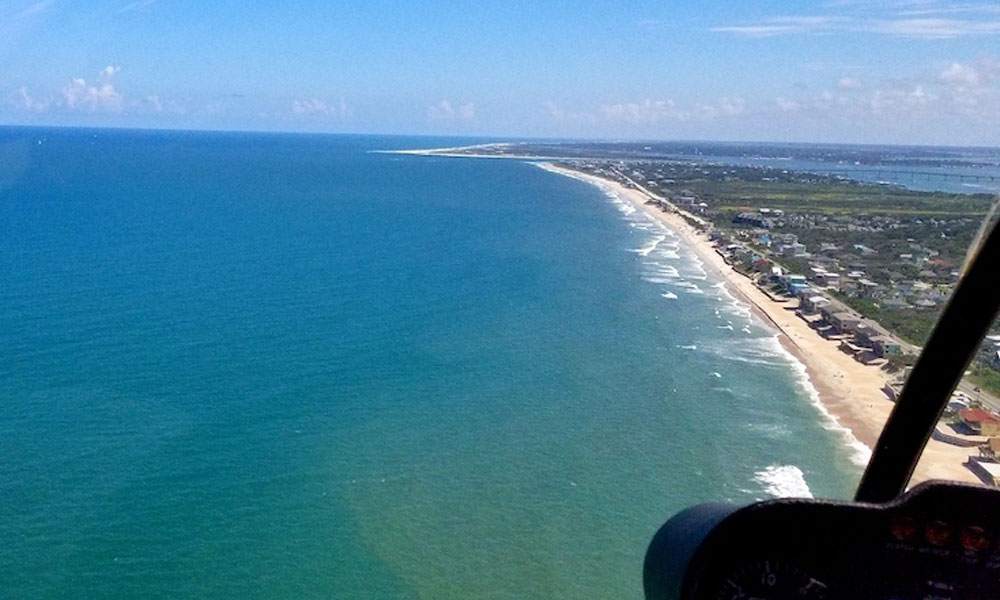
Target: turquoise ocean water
[278, 366]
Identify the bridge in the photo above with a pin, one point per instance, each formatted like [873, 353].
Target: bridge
[903, 174]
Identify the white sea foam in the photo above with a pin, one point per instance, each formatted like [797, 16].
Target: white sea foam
[754, 351]
[783, 481]
[716, 374]
[734, 306]
[774, 431]
[669, 295]
[688, 347]
[661, 270]
[645, 250]
[625, 207]
[858, 452]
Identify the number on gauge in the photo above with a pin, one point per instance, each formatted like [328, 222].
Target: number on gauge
[770, 580]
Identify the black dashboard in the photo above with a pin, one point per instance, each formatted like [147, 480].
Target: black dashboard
[939, 541]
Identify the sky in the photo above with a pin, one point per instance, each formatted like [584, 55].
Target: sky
[852, 71]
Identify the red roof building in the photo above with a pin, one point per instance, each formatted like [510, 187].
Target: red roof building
[981, 421]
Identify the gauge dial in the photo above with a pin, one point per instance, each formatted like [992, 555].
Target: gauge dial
[770, 580]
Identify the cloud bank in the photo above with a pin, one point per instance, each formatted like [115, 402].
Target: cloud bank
[444, 111]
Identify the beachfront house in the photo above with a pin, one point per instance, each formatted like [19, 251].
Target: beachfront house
[844, 322]
[792, 282]
[804, 292]
[827, 279]
[814, 304]
[761, 265]
[980, 421]
[883, 346]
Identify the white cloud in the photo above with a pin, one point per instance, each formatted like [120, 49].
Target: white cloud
[554, 111]
[784, 25]
[929, 9]
[936, 28]
[900, 24]
[732, 106]
[646, 112]
[314, 106]
[212, 109]
[959, 75]
[153, 101]
[963, 94]
[849, 83]
[309, 107]
[787, 106]
[557, 113]
[21, 100]
[100, 97]
[757, 31]
[990, 66]
[900, 103]
[444, 111]
[651, 112]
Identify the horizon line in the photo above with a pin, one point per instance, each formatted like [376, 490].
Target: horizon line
[498, 138]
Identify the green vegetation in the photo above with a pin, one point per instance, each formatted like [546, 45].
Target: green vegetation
[914, 326]
[986, 378]
[837, 198]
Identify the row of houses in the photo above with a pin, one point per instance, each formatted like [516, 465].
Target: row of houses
[835, 319]
[864, 338]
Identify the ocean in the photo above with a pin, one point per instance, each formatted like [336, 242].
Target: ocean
[288, 366]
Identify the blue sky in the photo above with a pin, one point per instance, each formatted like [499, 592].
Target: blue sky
[910, 71]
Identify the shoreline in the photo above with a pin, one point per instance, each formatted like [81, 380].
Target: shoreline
[452, 153]
[847, 394]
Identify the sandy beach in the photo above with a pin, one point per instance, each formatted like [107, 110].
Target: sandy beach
[850, 392]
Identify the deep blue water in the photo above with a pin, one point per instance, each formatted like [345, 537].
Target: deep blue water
[285, 366]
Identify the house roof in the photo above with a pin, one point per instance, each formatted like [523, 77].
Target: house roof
[977, 415]
[845, 316]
